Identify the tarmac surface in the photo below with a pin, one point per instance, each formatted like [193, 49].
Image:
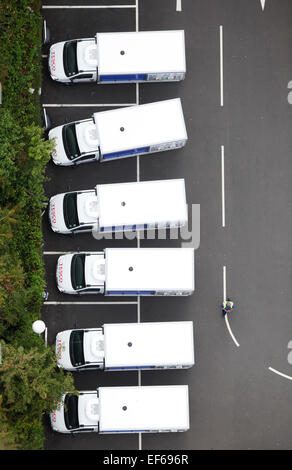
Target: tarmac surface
[237, 165]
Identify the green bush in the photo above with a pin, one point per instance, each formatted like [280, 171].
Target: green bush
[30, 383]
[24, 154]
[20, 57]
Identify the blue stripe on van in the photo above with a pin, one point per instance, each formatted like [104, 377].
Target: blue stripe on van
[124, 78]
[125, 153]
[131, 367]
[132, 292]
[126, 430]
[121, 228]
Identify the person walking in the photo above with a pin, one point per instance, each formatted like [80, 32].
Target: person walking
[227, 306]
[45, 295]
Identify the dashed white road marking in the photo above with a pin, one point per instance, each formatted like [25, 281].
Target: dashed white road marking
[221, 68]
[178, 5]
[224, 283]
[280, 373]
[226, 316]
[223, 183]
[263, 4]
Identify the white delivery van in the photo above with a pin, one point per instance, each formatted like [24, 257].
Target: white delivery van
[128, 271]
[120, 207]
[120, 133]
[127, 346]
[145, 56]
[119, 410]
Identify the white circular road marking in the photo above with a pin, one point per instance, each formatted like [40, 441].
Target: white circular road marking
[226, 316]
[230, 331]
[280, 373]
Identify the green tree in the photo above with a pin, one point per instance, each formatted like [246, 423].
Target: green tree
[30, 385]
[31, 379]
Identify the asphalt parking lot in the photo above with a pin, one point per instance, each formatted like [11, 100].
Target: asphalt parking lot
[237, 165]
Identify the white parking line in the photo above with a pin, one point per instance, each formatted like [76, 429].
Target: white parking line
[138, 237]
[52, 7]
[88, 303]
[263, 3]
[280, 373]
[221, 68]
[226, 316]
[57, 252]
[137, 15]
[87, 105]
[138, 309]
[223, 183]
[65, 252]
[178, 5]
[44, 209]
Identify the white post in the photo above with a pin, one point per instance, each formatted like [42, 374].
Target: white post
[39, 327]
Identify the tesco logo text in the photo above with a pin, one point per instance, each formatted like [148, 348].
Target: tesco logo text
[53, 213]
[60, 273]
[53, 61]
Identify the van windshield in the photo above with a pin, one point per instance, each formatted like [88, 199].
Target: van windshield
[70, 141]
[70, 210]
[70, 58]
[71, 411]
[77, 272]
[76, 348]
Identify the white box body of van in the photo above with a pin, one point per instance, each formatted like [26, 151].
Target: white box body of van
[143, 409]
[141, 56]
[154, 345]
[149, 271]
[141, 206]
[138, 130]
